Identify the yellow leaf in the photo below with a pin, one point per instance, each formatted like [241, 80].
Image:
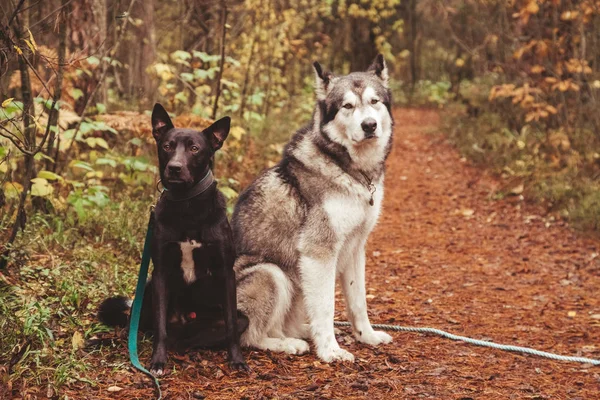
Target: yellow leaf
[459, 62]
[32, 40]
[537, 69]
[572, 314]
[18, 49]
[563, 86]
[551, 109]
[12, 189]
[7, 102]
[41, 187]
[77, 340]
[30, 45]
[237, 132]
[569, 15]
[40, 128]
[530, 117]
[532, 7]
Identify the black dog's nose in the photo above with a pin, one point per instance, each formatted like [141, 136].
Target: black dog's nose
[369, 125]
[174, 167]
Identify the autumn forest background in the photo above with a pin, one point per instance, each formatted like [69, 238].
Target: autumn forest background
[517, 84]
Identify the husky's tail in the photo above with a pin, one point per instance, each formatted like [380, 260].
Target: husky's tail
[115, 311]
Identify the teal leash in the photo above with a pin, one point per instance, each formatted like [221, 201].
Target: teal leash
[136, 308]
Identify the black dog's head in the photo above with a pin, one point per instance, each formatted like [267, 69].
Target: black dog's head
[184, 155]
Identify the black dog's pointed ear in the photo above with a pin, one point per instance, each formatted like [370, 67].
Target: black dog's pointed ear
[322, 81]
[379, 67]
[161, 123]
[217, 132]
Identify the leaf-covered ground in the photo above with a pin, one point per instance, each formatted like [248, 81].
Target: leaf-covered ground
[444, 255]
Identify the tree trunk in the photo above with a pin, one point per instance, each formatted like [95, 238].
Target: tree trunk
[54, 114]
[412, 44]
[222, 63]
[29, 135]
[99, 10]
[147, 86]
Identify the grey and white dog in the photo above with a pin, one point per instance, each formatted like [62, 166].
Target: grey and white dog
[304, 222]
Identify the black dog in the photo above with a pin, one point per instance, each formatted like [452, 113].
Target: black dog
[193, 284]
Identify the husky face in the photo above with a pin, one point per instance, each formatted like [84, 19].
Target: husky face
[355, 110]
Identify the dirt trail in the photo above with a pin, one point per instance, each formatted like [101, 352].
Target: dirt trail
[443, 255]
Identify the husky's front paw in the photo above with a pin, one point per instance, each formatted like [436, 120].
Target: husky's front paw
[335, 354]
[296, 346]
[373, 338]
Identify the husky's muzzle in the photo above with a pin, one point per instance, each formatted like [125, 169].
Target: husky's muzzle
[369, 127]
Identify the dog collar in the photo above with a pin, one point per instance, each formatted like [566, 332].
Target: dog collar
[196, 190]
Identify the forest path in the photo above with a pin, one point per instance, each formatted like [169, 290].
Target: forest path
[446, 256]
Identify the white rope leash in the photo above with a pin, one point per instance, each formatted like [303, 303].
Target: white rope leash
[477, 342]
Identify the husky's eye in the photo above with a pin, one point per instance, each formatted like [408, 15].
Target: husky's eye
[374, 101]
[167, 147]
[195, 149]
[348, 106]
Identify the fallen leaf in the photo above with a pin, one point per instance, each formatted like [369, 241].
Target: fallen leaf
[517, 189]
[467, 212]
[77, 340]
[571, 314]
[114, 389]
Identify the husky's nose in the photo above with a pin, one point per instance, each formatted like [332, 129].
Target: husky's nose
[369, 125]
[174, 167]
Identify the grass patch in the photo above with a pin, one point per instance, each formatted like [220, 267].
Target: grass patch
[60, 272]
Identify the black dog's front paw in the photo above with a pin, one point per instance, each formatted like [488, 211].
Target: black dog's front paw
[157, 368]
[239, 365]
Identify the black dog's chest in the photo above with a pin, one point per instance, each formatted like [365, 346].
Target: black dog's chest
[197, 260]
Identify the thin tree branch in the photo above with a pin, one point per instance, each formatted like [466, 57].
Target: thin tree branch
[10, 136]
[51, 14]
[14, 14]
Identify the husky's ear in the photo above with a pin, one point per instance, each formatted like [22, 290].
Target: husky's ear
[380, 69]
[322, 81]
[161, 123]
[217, 132]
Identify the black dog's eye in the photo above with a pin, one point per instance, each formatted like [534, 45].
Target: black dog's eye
[167, 147]
[195, 149]
[348, 106]
[374, 101]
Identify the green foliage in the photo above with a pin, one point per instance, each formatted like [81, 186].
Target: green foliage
[547, 167]
[425, 93]
[51, 310]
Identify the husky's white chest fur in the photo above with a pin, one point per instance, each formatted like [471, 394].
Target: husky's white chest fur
[349, 213]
